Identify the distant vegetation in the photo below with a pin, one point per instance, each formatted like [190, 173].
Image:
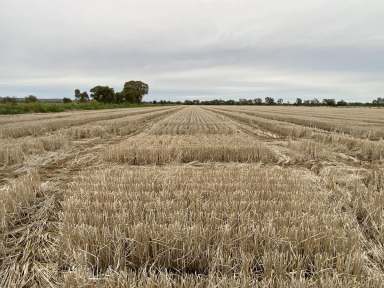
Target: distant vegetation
[101, 97]
[133, 92]
[31, 99]
[44, 107]
[271, 101]
[104, 97]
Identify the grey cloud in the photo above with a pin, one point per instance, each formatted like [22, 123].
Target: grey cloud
[186, 49]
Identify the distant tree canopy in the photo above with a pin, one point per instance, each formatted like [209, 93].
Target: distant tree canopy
[30, 99]
[81, 96]
[378, 101]
[269, 101]
[133, 92]
[103, 94]
[341, 103]
[329, 102]
[8, 99]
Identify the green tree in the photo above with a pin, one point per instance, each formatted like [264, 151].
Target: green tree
[84, 97]
[8, 99]
[299, 101]
[77, 94]
[81, 96]
[269, 101]
[329, 102]
[67, 100]
[119, 97]
[341, 103]
[30, 99]
[134, 91]
[315, 101]
[378, 101]
[103, 94]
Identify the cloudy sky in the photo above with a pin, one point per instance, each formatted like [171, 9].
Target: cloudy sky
[188, 49]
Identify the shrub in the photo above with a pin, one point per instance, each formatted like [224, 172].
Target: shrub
[31, 99]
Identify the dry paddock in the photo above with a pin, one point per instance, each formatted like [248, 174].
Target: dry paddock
[199, 196]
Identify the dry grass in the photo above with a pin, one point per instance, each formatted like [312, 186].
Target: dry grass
[169, 280]
[39, 126]
[191, 121]
[354, 122]
[18, 150]
[16, 195]
[144, 150]
[282, 129]
[28, 256]
[120, 126]
[251, 221]
[364, 149]
[193, 197]
[15, 151]
[211, 138]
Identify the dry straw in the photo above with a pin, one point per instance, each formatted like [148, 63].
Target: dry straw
[193, 197]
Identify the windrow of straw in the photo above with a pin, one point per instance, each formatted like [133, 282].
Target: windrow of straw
[257, 222]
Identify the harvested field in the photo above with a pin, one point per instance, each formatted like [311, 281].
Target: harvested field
[208, 138]
[196, 196]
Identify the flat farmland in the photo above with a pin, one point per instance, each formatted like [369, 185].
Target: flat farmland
[193, 196]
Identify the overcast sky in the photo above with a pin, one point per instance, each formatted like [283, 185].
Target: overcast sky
[188, 49]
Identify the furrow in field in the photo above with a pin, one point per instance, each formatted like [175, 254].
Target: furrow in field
[38, 128]
[16, 151]
[352, 126]
[259, 222]
[362, 149]
[192, 121]
[212, 138]
[277, 128]
[297, 152]
[35, 117]
[364, 115]
[30, 214]
[252, 130]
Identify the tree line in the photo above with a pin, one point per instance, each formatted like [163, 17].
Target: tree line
[133, 92]
[271, 101]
